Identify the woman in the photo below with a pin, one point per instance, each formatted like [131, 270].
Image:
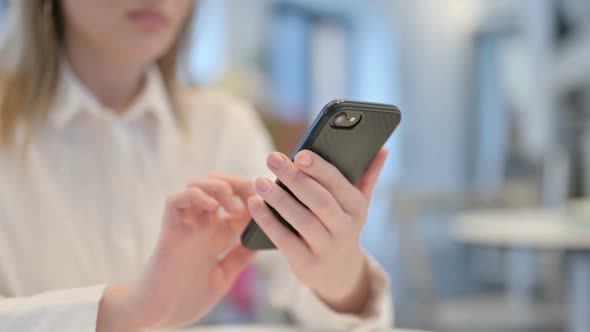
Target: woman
[96, 130]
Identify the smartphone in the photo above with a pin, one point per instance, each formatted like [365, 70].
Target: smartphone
[347, 134]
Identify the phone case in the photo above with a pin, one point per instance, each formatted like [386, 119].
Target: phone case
[349, 150]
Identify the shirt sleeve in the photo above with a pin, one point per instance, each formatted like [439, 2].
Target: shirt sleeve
[72, 310]
[250, 144]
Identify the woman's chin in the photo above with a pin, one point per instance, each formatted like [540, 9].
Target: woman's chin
[145, 53]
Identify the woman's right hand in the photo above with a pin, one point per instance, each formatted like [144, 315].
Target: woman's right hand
[185, 276]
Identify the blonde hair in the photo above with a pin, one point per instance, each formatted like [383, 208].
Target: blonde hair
[29, 67]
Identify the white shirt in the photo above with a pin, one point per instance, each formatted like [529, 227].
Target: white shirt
[85, 208]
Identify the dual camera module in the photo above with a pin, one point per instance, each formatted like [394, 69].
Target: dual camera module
[346, 120]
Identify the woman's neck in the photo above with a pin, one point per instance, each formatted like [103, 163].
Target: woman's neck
[113, 83]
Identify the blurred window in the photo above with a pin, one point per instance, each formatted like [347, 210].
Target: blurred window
[208, 57]
[3, 4]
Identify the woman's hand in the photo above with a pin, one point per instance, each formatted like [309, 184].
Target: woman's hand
[328, 256]
[188, 272]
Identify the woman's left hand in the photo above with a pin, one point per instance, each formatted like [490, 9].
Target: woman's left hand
[327, 257]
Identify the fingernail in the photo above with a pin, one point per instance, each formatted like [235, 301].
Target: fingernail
[276, 160]
[303, 159]
[262, 184]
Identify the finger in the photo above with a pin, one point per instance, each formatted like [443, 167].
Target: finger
[312, 194]
[238, 223]
[221, 236]
[242, 186]
[193, 198]
[220, 190]
[286, 241]
[234, 262]
[300, 217]
[327, 175]
[367, 182]
[189, 207]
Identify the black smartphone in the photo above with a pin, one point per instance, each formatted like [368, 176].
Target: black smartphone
[348, 134]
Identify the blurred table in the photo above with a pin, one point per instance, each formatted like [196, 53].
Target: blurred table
[265, 328]
[539, 230]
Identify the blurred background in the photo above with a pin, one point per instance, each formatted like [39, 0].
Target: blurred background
[480, 215]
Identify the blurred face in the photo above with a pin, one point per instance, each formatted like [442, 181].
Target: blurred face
[125, 30]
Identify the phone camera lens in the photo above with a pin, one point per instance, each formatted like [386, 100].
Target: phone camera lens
[352, 119]
[340, 119]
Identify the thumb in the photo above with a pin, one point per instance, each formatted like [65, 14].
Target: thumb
[235, 261]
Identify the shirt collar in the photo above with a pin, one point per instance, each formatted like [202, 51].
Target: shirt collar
[73, 98]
